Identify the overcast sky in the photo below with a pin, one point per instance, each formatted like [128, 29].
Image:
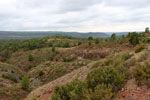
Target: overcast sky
[75, 15]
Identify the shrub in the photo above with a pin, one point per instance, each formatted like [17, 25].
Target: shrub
[25, 83]
[90, 43]
[66, 45]
[53, 49]
[142, 73]
[106, 75]
[139, 48]
[41, 73]
[101, 92]
[121, 41]
[97, 41]
[10, 77]
[69, 59]
[50, 44]
[70, 91]
[79, 43]
[90, 38]
[7, 54]
[30, 57]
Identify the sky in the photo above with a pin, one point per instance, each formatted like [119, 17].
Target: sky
[75, 15]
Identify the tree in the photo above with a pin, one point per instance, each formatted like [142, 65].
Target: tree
[147, 30]
[30, 57]
[134, 38]
[53, 49]
[113, 36]
[90, 38]
[25, 83]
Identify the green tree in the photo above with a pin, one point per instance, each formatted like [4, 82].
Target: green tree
[147, 30]
[133, 38]
[90, 38]
[113, 36]
[25, 83]
[30, 57]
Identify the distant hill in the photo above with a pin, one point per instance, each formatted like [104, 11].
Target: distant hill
[37, 34]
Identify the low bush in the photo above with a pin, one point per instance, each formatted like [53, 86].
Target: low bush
[100, 84]
[100, 92]
[53, 49]
[66, 45]
[50, 44]
[139, 48]
[71, 91]
[25, 83]
[142, 73]
[106, 75]
[10, 77]
[30, 57]
[41, 73]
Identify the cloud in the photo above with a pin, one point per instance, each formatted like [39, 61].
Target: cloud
[75, 15]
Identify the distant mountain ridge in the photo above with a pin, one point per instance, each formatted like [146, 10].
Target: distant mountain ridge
[38, 34]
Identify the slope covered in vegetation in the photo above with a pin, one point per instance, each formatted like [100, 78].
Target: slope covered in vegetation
[67, 68]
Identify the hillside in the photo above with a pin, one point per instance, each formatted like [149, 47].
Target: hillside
[71, 68]
[39, 34]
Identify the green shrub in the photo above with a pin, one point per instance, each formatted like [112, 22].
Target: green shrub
[41, 73]
[66, 45]
[142, 73]
[100, 92]
[50, 44]
[97, 41]
[70, 91]
[25, 83]
[139, 48]
[53, 49]
[106, 75]
[121, 41]
[90, 43]
[7, 54]
[30, 57]
[10, 77]
[79, 43]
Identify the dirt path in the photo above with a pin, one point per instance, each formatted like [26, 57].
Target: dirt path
[44, 92]
[133, 92]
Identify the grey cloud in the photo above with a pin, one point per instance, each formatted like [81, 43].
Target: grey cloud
[72, 15]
